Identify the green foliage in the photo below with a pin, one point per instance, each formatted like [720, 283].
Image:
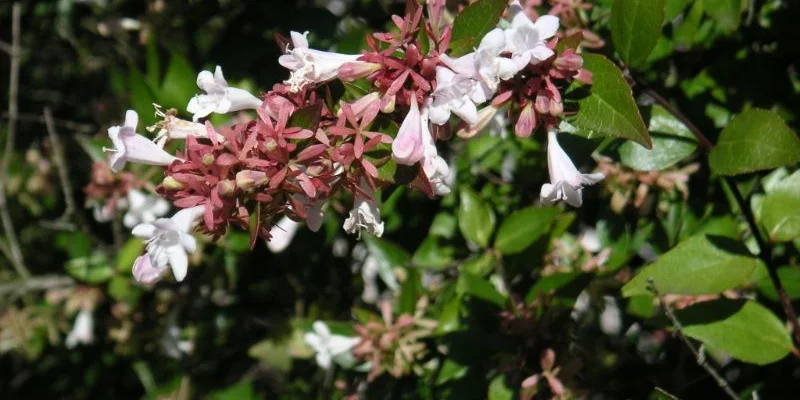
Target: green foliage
[472, 24]
[523, 227]
[476, 219]
[608, 109]
[635, 28]
[672, 142]
[744, 329]
[755, 140]
[703, 264]
[781, 210]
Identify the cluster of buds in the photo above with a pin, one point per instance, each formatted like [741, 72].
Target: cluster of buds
[302, 149]
[393, 345]
[628, 186]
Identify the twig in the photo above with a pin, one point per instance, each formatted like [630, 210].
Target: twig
[765, 254]
[5, 47]
[765, 251]
[61, 165]
[698, 354]
[42, 282]
[61, 123]
[17, 259]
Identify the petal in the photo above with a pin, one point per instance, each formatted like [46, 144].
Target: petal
[144, 231]
[129, 220]
[131, 120]
[549, 193]
[324, 359]
[142, 150]
[282, 234]
[407, 145]
[558, 162]
[492, 44]
[185, 219]
[160, 207]
[338, 344]
[573, 195]
[136, 199]
[439, 115]
[219, 79]
[299, 40]
[547, 26]
[467, 112]
[188, 242]
[205, 81]
[241, 99]
[540, 53]
[178, 261]
[322, 330]
[591, 179]
[313, 340]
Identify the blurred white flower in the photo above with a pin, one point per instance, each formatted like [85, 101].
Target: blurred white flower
[434, 166]
[282, 234]
[82, 330]
[219, 97]
[365, 215]
[329, 347]
[143, 208]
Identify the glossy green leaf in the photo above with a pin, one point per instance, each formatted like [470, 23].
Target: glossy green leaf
[635, 28]
[702, 264]
[179, 83]
[499, 390]
[746, 330]
[727, 13]
[142, 98]
[789, 276]
[473, 23]
[780, 213]
[523, 227]
[475, 218]
[672, 142]
[476, 286]
[755, 140]
[606, 108]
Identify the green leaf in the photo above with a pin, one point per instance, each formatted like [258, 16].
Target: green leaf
[92, 269]
[755, 140]
[744, 329]
[606, 108]
[410, 292]
[499, 390]
[473, 23]
[635, 28]
[306, 117]
[237, 391]
[389, 256]
[480, 288]
[142, 98]
[475, 218]
[128, 254]
[523, 227]
[685, 32]
[481, 265]
[92, 147]
[789, 276]
[672, 142]
[727, 13]
[702, 264]
[781, 210]
[180, 83]
[443, 225]
[431, 254]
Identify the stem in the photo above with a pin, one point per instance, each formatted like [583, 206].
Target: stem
[765, 250]
[17, 259]
[698, 354]
[61, 164]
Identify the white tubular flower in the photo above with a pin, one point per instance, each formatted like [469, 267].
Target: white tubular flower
[219, 98]
[168, 242]
[369, 273]
[82, 331]
[310, 66]
[407, 147]
[172, 127]
[452, 94]
[434, 166]
[143, 208]
[526, 39]
[281, 234]
[566, 183]
[133, 147]
[365, 215]
[329, 347]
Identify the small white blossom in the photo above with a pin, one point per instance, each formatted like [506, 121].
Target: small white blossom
[172, 127]
[219, 97]
[525, 39]
[133, 147]
[168, 240]
[329, 347]
[281, 234]
[566, 183]
[365, 215]
[143, 208]
[82, 330]
[452, 94]
[310, 66]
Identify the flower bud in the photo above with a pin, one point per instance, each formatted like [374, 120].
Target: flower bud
[387, 104]
[568, 61]
[526, 122]
[226, 188]
[356, 69]
[171, 183]
[270, 145]
[208, 159]
[485, 115]
[542, 104]
[248, 180]
[556, 108]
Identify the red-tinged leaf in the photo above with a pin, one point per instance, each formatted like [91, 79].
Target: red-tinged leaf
[369, 168]
[322, 137]
[262, 113]
[295, 133]
[216, 201]
[189, 201]
[277, 179]
[212, 134]
[312, 151]
[358, 146]
[299, 207]
[254, 226]
[398, 83]
[307, 185]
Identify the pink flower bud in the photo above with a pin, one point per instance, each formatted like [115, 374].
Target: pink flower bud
[556, 108]
[226, 188]
[569, 61]
[526, 122]
[171, 183]
[388, 103]
[542, 104]
[144, 272]
[356, 69]
[248, 179]
[584, 76]
[485, 115]
[407, 147]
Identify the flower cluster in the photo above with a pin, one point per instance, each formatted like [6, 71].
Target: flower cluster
[302, 148]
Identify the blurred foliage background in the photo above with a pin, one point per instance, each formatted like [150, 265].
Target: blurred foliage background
[234, 330]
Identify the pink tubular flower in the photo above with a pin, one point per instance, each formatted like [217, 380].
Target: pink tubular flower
[408, 146]
[133, 147]
[311, 66]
